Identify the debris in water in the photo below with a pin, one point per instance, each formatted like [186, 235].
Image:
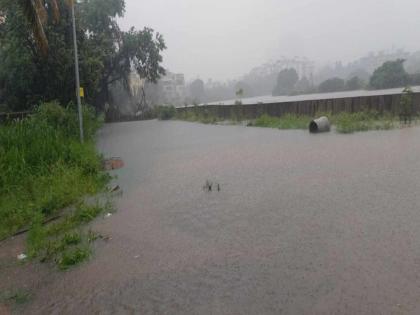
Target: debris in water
[115, 188]
[209, 186]
[22, 257]
[113, 164]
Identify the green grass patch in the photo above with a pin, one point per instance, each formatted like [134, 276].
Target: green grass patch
[43, 166]
[343, 122]
[58, 242]
[364, 121]
[15, 297]
[197, 115]
[73, 257]
[44, 169]
[287, 121]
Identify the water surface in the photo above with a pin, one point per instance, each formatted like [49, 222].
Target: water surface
[303, 224]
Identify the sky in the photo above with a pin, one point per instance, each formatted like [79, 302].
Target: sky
[224, 39]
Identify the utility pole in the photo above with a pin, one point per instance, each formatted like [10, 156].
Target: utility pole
[76, 65]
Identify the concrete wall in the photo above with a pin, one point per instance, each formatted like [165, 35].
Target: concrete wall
[384, 103]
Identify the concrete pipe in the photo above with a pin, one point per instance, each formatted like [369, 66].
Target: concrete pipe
[321, 124]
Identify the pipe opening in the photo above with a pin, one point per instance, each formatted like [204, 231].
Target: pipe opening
[313, 127]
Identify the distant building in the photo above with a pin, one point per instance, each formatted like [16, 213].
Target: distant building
[173, 88]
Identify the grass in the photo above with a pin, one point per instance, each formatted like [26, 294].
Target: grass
[343, 122]
[65, 242]
[44, 169]
[287, 121]
[16, 297]
[204, 117]
[364, 121]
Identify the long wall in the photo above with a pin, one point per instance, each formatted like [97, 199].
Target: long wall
[382, 103]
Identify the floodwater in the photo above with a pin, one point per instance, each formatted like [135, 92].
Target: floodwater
[303, 224]
[310, 97]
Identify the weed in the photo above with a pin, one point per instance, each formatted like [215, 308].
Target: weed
[17, 297]
[288, 121]
[73, 257]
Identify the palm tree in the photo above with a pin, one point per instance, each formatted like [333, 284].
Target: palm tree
[35, 12]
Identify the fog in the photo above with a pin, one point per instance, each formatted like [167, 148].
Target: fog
[224, 39]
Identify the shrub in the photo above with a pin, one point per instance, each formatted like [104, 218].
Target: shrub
[165, 112]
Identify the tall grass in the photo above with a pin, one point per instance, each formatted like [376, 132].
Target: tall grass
[43, 166]
[364, 121]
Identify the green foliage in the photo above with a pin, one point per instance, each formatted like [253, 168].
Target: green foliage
[288, 121]
[363, 121]
[286, 82]
[197, 115]
[344, 122]
[44, 168]
[354, 84]
[240, 92]
[17, 297]
[332, 85]
[107, 54]
[390, 75]
[165, 112]
[73, 257]
[64, 242]
[407, 105]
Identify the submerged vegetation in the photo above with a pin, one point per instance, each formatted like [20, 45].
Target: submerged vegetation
[288, 121]
[44, 169]
[343, 122]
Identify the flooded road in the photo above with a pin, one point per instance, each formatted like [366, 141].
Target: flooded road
[303, 224]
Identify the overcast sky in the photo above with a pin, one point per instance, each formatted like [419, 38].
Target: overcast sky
[224, 39]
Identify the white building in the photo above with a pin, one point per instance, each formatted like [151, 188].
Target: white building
[173, 87]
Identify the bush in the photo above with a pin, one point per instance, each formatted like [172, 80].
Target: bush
[165, 112]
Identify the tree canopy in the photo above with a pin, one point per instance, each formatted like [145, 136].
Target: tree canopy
[332, 85]
[286, 82]
[106, 53]
[390, 75]
[354, 83]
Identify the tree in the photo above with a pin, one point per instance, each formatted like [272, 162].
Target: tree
[243, 87]
[36, 15]
[107, 54]
[286, 82]
[332, 85]
[354, 84]
[303, 86]
[406, 105]
[197, 90]
[390, 75]
[240, 93]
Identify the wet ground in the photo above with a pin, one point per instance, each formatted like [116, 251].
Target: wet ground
[303, 224]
